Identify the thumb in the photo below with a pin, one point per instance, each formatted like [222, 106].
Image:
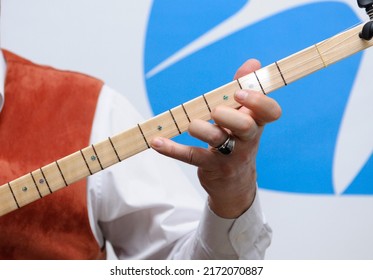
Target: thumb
[191, 155]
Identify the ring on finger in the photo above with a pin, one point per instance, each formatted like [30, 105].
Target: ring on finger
[227, 147]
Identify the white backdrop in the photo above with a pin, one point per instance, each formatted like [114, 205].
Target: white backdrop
[106, 38]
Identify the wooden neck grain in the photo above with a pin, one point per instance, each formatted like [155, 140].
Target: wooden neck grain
[97, 157]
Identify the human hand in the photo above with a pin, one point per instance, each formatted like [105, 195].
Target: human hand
[229, 180]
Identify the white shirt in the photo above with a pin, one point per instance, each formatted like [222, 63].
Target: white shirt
[146, 207]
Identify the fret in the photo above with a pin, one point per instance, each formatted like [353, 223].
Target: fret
[8, 202]
[177, 126]
[186, 114]
[37, 188]
[95, 157]
[59, 169]
[260, 84]
[207, 104]
[300, 64]
[197, 109]
[270, 78]
[14, 197]
[115, 151]
[24, 190]
[181, 118]
[282, 77]
[129, 143]
[143, 136]
[161, 125]
[321, 57]
[41, 183]
[223, 95]
[105, 154]
[86, 163]
[92, 162]
[250, 82]
[46, 181]
[73, 168]
[53, 176]
[343, 45]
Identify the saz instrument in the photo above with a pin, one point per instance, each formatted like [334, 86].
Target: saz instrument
[94, 158]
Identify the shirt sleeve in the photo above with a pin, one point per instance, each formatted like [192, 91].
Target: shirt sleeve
[147, 208]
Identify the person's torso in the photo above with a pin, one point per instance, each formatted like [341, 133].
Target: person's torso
[47, 115]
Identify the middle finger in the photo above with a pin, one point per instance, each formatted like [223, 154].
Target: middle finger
[208, 132]
[240, 123]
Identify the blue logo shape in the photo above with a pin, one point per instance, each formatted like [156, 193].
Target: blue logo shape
[296, 153]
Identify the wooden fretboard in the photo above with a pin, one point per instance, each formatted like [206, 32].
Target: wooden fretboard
[92, 159]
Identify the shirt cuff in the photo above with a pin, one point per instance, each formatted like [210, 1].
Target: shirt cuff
[246, 237]
[250, 235]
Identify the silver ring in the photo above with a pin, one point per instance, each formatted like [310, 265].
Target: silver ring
[227, 147]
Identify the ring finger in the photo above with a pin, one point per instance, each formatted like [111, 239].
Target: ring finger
[209, 133]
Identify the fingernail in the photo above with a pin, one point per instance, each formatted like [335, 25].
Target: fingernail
[157, 143]
[241, 94]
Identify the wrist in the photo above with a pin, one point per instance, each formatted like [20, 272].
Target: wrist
[231, 207]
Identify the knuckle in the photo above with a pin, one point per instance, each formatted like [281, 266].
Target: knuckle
[215, 112]
[190, 157]
[172, 151]
[255, 100]
[215, 138]
[248, 124]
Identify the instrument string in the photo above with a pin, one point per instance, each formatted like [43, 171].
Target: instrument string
[203, 111]
[289, 71]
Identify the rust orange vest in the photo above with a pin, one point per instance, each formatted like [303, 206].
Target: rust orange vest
[47, 115]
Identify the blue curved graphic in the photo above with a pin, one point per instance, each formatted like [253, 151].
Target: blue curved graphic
[174, 24]
[296, 153]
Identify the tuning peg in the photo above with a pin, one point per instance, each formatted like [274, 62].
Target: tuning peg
[365, 3]
[367, 32]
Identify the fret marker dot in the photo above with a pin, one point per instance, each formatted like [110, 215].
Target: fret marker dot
[41, 181]
[24, 189]
[93, 157]
[159, 127]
